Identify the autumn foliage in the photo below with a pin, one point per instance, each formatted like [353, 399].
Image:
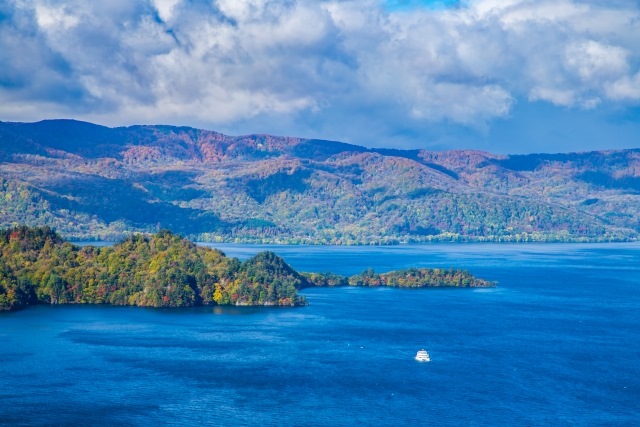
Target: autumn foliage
[161, 270]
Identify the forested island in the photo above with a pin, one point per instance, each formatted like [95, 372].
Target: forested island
[165, 270]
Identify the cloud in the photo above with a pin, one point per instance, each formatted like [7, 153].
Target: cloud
[335, 69]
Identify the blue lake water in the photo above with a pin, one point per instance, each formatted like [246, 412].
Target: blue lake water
[556, 343]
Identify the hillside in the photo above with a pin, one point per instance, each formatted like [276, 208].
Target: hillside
[161, 270]
[93, 182]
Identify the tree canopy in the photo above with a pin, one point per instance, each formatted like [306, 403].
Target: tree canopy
[161, 270]
[166, 270]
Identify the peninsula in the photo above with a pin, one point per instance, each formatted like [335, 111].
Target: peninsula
[165, 270]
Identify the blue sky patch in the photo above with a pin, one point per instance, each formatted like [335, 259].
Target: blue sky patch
[412, 4]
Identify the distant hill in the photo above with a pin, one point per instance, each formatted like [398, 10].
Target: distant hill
[93, 182]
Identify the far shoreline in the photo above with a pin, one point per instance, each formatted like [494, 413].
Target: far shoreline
[106, 243]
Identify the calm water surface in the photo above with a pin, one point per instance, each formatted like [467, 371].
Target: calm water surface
[557, 343]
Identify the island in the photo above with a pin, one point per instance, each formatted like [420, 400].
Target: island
[164, 269]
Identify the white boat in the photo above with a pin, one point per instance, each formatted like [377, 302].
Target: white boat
[423, 356]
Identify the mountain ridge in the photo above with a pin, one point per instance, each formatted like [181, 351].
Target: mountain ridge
[94, 182]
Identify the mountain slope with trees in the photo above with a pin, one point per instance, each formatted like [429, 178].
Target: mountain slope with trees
[93, 182]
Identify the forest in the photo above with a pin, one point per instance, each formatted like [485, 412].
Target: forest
[91, 182]
[37, 266]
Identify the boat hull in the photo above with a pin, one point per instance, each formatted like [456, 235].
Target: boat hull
[423, 356]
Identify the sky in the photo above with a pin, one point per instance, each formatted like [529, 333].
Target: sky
[505, 76]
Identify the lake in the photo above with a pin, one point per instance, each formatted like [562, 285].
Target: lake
[556, 343]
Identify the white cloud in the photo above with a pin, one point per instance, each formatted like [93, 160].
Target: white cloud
[626, 88]
[593, 61]
[55, 17]
[225, 62]
[166, 8]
